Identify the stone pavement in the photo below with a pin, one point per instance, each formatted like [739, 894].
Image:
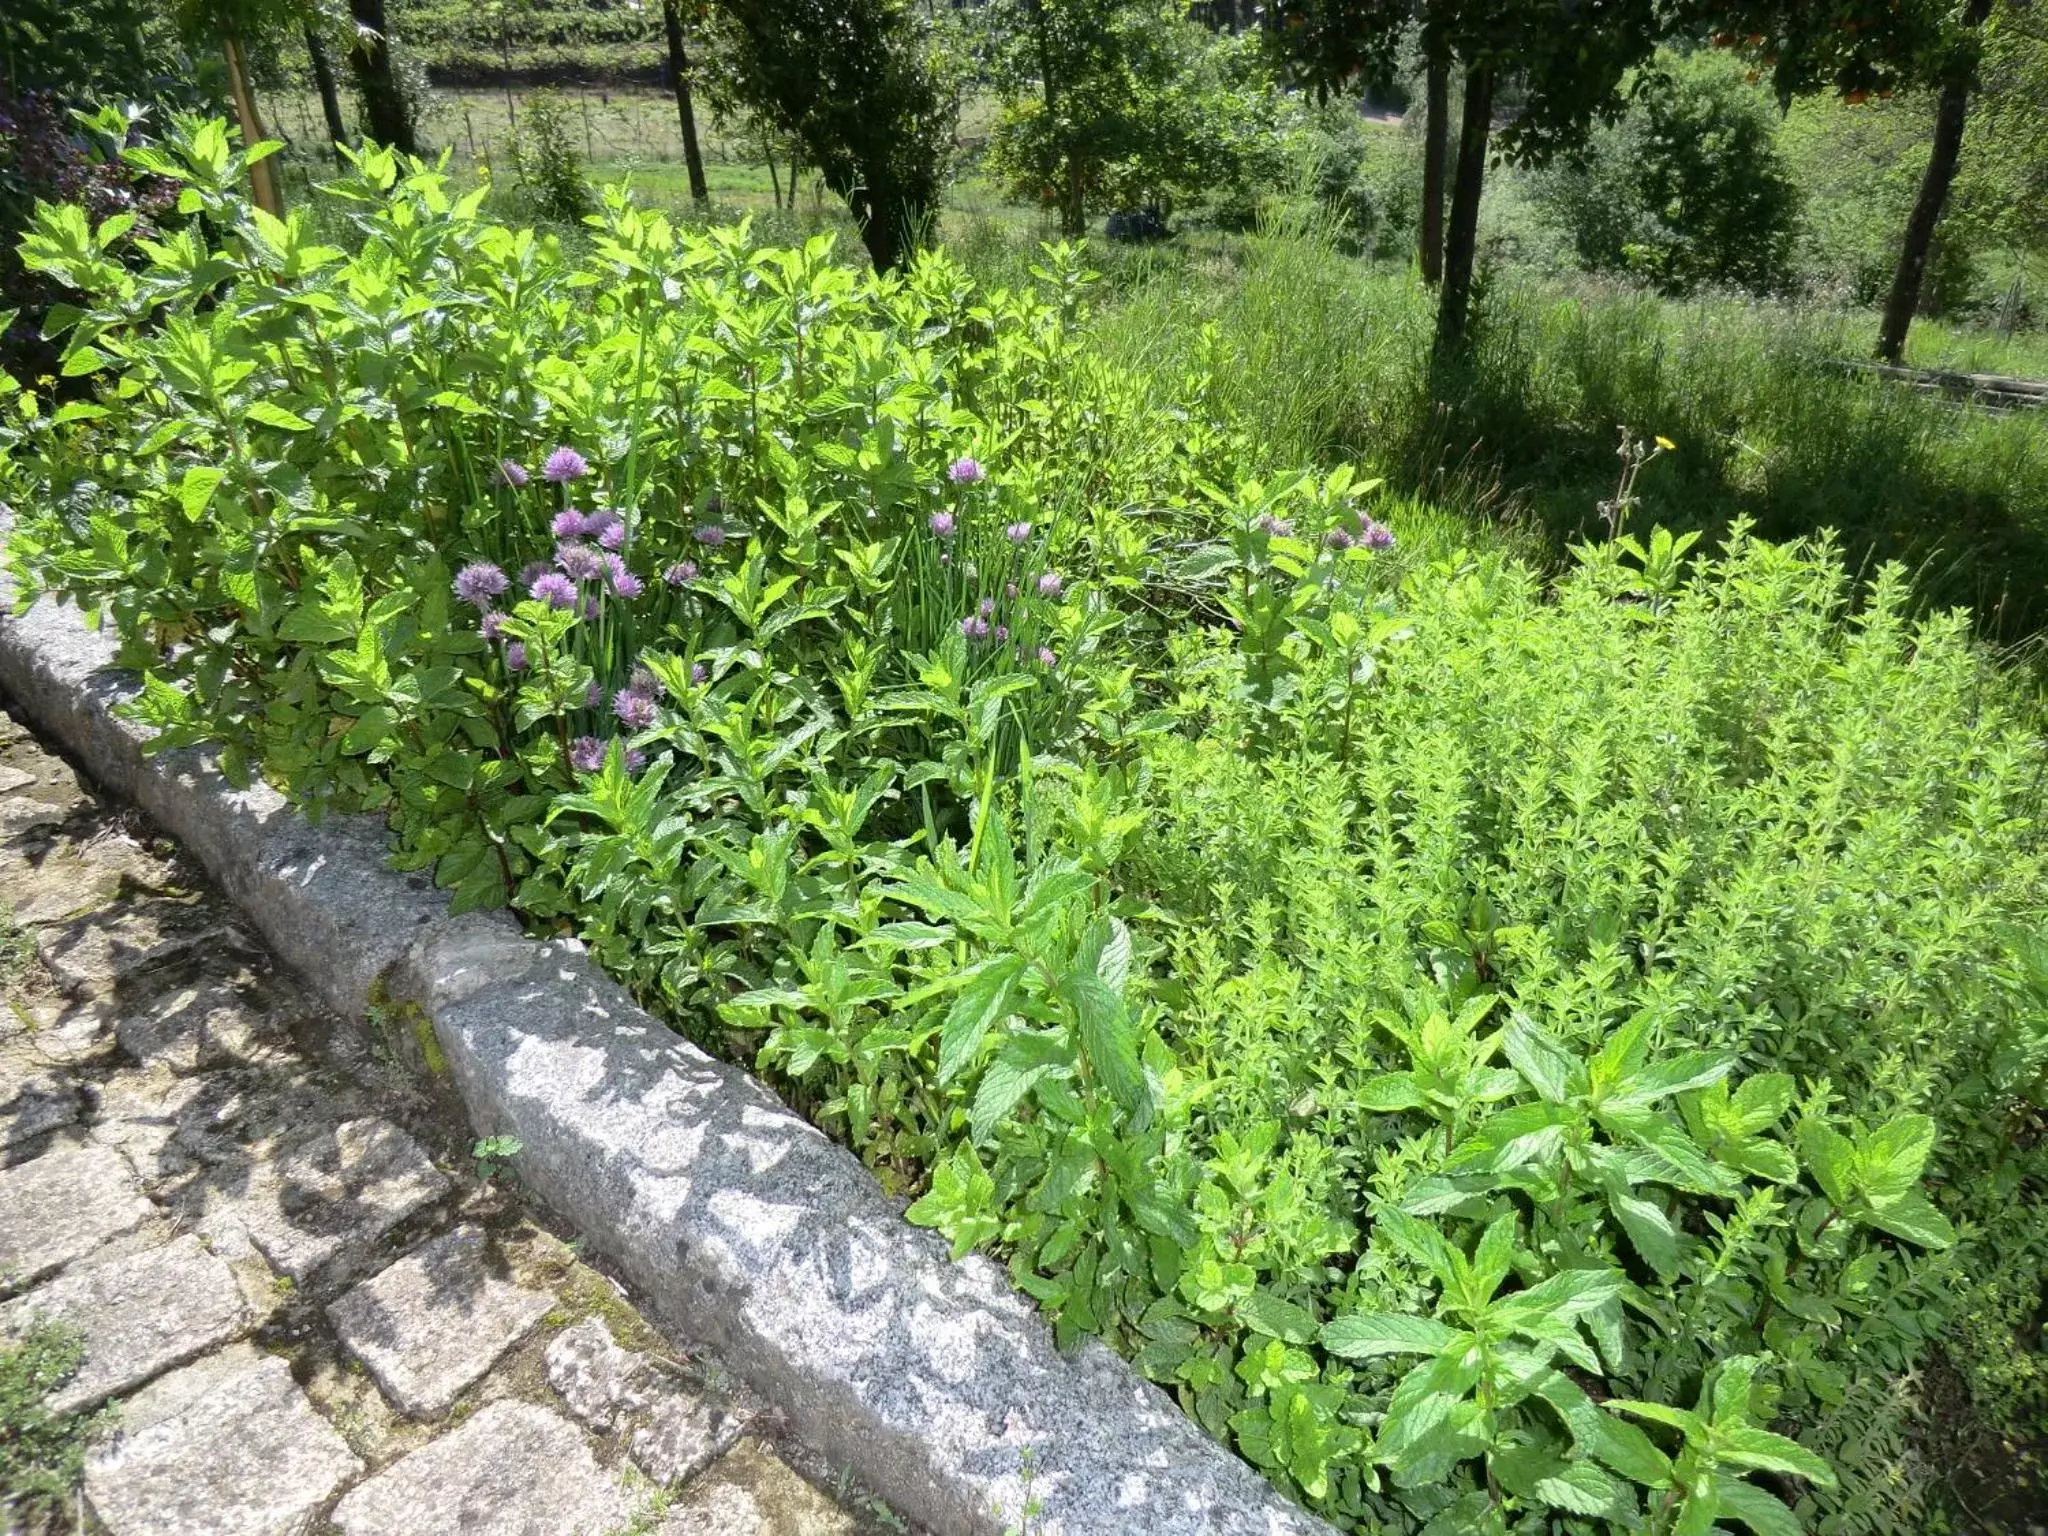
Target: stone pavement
[305, 1309]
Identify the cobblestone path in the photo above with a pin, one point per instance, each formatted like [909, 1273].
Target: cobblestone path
[302, 1307]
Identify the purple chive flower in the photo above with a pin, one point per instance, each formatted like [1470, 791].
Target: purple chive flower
[492, 624]
[1046, 657]
[697, 672]
[1050, 584]
[563, 465]
[1273, 527]
[515, 657]
[974, 627]
[624, 582]
[988, 607]
[529, 574]
[478, 583]
[1010, 590]
[556, 590]
[593, 696]
[580, 562]
[712, 534]
[591, 606]
[512, 473]
[943, 524]
[635, 710]
[965, 471]
[612, 535]
[1017, 533]
[1337, 538]
[567, 524]
[635, 759]
[681, 572]
[1002, 632]
[586, 754]
[644, 683]
[1376, 535]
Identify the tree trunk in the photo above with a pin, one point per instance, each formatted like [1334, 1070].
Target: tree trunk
[330, 97]
[1477, 124]
[387, 116]
[1949, 118]
[263, 187]
[679, 72]
[1436, 133]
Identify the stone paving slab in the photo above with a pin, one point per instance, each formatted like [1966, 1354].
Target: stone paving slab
[139, 1314]
[58, 1034]
[35, 1098]
[228, 1449]
[513, 1469]
[673, 1433]
[329, 1198]
[188, 1028]
[429, 1326]
[63, 1205]
[752, 1492]
[115, 945]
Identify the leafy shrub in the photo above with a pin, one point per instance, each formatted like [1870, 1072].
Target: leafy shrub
[1491, 1050]
[546, 167]
[1688, 189]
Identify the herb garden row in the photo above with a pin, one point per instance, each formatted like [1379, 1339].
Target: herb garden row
[1506, 1052]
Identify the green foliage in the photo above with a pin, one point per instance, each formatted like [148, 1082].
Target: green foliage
[42, 1455]
[1434, 1021]
[1688, 190]
[1125, 103]
[545, 163]
[865, 87]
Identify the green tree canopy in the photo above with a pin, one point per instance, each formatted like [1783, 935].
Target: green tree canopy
[865, 88]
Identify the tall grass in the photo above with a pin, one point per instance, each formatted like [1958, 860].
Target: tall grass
[1320, 356]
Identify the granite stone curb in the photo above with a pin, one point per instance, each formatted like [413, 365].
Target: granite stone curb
[741, 1224]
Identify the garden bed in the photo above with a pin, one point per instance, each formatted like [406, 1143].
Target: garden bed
[1498, 1047]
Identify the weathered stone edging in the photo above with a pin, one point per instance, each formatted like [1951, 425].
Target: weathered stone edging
[739, 1223]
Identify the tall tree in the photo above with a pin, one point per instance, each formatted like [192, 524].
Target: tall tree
[1571, 59]
[1436, 114]
[1127, 101]
[1958, 79]
[330, 94]
[686, 113]
[1860, 47]
[387, 111]
[861, 87]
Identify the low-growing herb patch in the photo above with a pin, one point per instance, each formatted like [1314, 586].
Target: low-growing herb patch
[1506, 1055]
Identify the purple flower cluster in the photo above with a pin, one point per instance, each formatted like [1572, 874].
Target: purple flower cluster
[682, 573]
[554, 589]
[943, 524]
[1017, 533]
[563, 465]
[478, 583]
[1273, 527]
[711, 535]
[965, 471]
[587, 753]
[512, 472]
